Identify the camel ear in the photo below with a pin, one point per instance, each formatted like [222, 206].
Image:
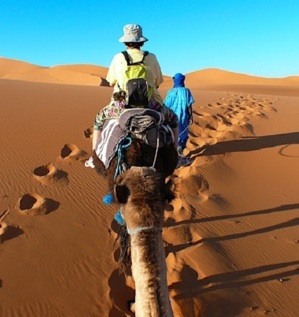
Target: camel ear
[122, 193]
[168, 191]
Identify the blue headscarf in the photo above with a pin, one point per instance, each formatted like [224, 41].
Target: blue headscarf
[178, 80]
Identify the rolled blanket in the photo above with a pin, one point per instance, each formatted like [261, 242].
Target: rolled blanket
[107, 145]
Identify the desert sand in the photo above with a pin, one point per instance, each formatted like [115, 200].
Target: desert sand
[231, 234]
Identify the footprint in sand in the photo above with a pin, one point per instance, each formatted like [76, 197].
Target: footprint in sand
[49, 174]
[191, 184]
[191, 189]
[73, 152]
[230, 121]
[34, 204]
[3, 230]
[180, 237]
[88, 133]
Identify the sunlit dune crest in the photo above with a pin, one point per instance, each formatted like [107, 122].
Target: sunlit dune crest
[84, 74]
[62, 74]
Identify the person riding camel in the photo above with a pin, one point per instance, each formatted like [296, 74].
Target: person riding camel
[133, 40]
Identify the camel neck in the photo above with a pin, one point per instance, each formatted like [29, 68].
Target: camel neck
[149, 273]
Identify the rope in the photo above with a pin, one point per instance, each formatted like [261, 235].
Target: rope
[185, 129]
[179, 137]
[121, 147]
[157, 149]
[138, 230]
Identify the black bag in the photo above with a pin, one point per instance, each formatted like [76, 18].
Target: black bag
[137, 89]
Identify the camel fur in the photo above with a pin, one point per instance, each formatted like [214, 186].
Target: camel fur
[140, 154]
[142, 194]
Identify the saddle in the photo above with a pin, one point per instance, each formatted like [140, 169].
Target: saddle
[146, 125]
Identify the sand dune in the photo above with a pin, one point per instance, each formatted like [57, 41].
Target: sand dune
[13, 67]
[62, 74]
[221, 80]
[210, 78]
[231, 233]
[213, 76]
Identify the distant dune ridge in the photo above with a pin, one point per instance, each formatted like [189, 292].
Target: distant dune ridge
[230, 235]
[92, 74]
[64, 74]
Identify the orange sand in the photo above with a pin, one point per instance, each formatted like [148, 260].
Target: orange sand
[231, 235]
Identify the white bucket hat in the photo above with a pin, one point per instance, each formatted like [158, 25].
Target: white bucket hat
[132, 34]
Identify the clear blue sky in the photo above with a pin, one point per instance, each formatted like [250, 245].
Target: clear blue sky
[256, 37]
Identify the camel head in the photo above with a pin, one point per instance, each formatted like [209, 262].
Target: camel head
[142, 194]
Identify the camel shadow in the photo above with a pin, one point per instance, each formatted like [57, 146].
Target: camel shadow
[248, 144]
[171, 248]
[237, 279]
[229, 280]
[209, 290]
[289, 223]
[121, 295]
[171, 223]
[189, 299]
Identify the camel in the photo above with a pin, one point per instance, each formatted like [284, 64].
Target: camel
[163, 158]
[142, 194]
[141, 183]
[139, 154]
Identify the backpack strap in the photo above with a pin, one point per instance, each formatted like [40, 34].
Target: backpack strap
[144, 55]
[127, 58]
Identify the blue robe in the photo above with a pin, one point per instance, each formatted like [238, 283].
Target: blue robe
[179, 99]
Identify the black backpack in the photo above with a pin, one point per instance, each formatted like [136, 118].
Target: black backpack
[136, 86]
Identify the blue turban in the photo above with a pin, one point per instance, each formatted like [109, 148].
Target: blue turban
[178, 80]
